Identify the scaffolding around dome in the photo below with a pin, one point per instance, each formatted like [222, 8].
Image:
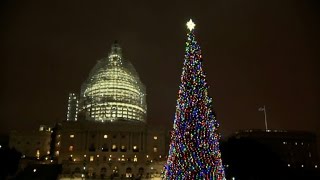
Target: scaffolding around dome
[113, 91]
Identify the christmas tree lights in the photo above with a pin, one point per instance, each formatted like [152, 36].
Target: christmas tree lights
[194, 148]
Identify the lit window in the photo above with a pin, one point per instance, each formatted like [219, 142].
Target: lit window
[105, 136]
[84, 155]
[71, 136]
[147, 156]
[70, 148]
[97, 155]
[284, 142]
[114, 147]
[57, 153]
[289, 165]
[91, 158]
[38, 154]
[315, 166]
[155, 137]
[134, 147]
[155, 149]
[302, 165]
[135, 159]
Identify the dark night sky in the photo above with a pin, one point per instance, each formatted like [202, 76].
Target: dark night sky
[255, 53]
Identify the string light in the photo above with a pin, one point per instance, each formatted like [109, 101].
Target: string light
[194, 149]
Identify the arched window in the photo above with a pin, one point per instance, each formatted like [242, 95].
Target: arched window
[141, 170]
[128, 172]
[103, 172]
[90, 172]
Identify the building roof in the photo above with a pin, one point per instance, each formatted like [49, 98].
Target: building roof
[113, 90]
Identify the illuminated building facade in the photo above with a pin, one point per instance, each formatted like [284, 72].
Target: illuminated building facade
[113, 91]
[111, 149]
[106, 134]
[72, 113]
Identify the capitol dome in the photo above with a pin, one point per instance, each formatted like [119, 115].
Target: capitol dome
[113, 91]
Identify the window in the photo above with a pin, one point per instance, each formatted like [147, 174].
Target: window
[38, 154]
[155, 137]
[135, 149]
[71, 135]
[135, 159]
[92, 148]
[104, 148]
[105, 136]
[114, 148]
[91, 158]
[123, 148]
[155, 149]
[70, 148]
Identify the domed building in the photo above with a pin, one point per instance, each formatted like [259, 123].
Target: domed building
[105, 133]
[113, 91]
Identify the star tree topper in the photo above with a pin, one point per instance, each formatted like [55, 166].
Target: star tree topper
[190, 25]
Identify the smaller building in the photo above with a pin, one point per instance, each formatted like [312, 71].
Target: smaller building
[72, 113]
[266, 154]
[34, 144]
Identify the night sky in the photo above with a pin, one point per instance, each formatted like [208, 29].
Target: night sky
[255, 53]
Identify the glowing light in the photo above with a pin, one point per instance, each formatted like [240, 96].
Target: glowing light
[190, 25]
[195, 138]
[114, 91]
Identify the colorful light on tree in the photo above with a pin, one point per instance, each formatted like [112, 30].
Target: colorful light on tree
[194, 148]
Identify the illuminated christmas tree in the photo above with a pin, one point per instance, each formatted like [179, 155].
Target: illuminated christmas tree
[194, 148]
